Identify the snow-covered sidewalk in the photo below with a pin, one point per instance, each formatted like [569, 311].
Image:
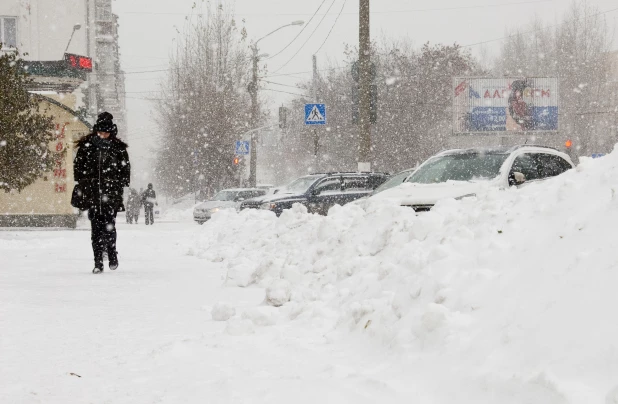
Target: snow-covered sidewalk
[144, 333]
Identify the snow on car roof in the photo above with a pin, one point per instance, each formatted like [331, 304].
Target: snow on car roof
[492, 150]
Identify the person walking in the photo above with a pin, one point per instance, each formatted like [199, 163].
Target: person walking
[149, 199]
[135, 204]
[102, 169]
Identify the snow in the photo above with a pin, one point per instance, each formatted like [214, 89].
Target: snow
[222, 312]
[507, 297]
[178, 210]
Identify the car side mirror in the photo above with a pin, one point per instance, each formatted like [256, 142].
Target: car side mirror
[315, 192]
[516, 178]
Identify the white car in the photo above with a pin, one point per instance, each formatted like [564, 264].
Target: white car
[464, 172]
[226, 199]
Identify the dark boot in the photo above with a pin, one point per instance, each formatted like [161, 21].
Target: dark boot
[113, 260]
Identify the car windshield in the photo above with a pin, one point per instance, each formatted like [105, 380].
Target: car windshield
[225, 196]
[393, 181]
[299, 186]
[459, 167]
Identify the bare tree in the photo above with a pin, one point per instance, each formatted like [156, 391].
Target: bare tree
[575, 51]
[204, 105]
[413, 108]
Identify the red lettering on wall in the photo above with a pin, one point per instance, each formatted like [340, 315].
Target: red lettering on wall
[60, 188]
[460, 88]
[486, 95]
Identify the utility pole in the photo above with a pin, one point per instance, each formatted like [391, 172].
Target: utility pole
[255, 110]
[253, 87]
[364, 62]
[316, 138]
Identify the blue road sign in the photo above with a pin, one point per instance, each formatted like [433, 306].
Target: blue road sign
[315, 114]
[242, 148]
[597, 155]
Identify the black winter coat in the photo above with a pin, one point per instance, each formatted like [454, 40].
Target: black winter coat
[102, 169]
[149, 197]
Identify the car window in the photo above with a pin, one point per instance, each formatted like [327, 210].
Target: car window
[300, 185]
[558, 164]
[225, 196]
[393, 181]
[459, 167]
[328, 185]
[356, 184]
[246, 195]
[547, 165]
[527, 165]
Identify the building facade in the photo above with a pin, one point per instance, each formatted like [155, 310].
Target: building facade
[42, 30]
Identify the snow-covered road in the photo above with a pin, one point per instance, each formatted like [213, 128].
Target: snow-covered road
[144, 333]
[507, 297]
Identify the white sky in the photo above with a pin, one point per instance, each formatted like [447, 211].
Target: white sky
[148, 29]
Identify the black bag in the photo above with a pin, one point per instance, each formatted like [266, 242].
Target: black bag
[78, 199]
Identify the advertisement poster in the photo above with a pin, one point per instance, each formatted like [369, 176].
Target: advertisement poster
[505, 104]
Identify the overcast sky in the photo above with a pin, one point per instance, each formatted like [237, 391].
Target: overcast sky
[148, 29]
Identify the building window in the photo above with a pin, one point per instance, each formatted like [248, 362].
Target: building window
[104, 12]
[8, 32]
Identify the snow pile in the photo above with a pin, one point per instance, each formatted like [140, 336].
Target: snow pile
[179, 211]
[222, 312]
[509, 297]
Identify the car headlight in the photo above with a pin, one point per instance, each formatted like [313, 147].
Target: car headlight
[267, 206]
[214, 210]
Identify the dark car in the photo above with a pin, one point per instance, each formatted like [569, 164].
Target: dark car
[319, 192]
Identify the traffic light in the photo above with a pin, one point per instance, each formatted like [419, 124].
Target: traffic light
[236, 160]
[568, 144]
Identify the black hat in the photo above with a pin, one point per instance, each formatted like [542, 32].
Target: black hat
[105, 123]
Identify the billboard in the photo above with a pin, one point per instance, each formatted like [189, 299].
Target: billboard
[505, 104]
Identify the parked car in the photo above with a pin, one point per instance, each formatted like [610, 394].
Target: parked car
[464, 172]
[394, 180]
[319, 192]
[225, 199]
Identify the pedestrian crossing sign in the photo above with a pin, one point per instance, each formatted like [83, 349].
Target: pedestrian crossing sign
[315, 114]
[242, 148]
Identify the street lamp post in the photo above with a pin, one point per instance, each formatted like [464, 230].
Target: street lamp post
[75, 28]
[255, 110]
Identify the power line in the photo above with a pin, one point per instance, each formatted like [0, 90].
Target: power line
[536, 30]
[284, 92]
[305, 72]
[356, 13]
[310, 35]
[301, 31]
[331, 28]
[280, 84]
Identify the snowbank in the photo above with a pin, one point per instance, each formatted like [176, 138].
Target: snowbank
[508, 297]
[180, 211]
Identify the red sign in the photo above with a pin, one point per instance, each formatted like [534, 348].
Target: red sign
[78, 62]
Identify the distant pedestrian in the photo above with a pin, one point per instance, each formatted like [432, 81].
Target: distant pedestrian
[134, 205]
[149, 199]
[102, 170]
